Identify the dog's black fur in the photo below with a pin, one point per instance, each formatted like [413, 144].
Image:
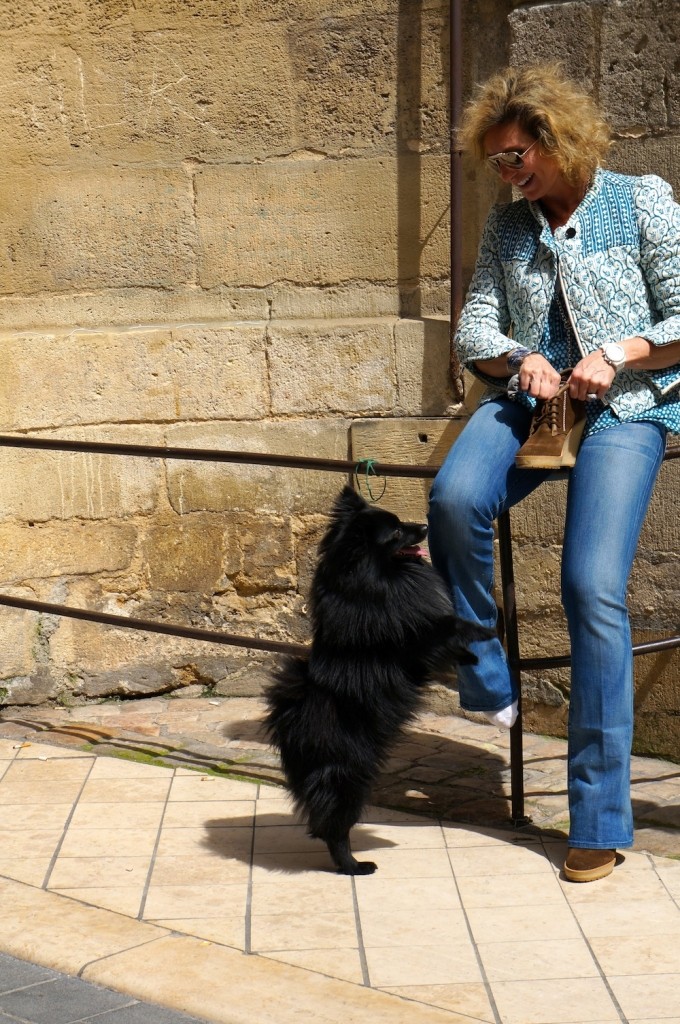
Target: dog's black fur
[383, 625]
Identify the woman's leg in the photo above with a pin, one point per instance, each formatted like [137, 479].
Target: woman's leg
[609, 492]
[478, 480]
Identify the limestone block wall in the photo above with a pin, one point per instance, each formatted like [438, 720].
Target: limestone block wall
[213, 216]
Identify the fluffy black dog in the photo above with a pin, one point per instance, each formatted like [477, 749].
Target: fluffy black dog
[383, 626]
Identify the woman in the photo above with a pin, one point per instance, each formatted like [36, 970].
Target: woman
[581, 273]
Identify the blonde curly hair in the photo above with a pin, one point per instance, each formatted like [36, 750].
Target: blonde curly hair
[551, 107]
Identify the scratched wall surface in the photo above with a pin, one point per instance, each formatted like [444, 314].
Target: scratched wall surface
[225, 224]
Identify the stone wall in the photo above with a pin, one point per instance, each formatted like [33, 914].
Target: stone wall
[226, 225]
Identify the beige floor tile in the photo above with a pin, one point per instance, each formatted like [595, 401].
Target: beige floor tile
[300, 931]
[227, 931]
[121, 899]
[64, 934]
[31, 870]
[183, 813]
[126, 791]
[530, 961]
[82, 872]
[467, 1003]
[413, 928]
[168, 901]
[615, 887]
[50, 770]
[35, 816]
[205, 870]
[645, 996]
[27, 792]
[408, 863]
[277, 812]
[654, 1020]
[267, 792]
[209, 787]
[499, 860]
[568, 1001]
[101, 842]
[8, 750]
[641, 954]
[628, 918]
[509, 891]
[508, 924]
[406, 836]
[118, 768]
[344, 964]
[285, 839]
[384, 895]
[29, 842]
[308, 899]
[306, 864]
[373, 815]
[468, 835]
[214, 842]
[117, 815]
[42, 751]
[422, 965]
[668, 872]
[166, 974]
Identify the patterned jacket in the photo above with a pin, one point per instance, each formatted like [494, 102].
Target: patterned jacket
[618, 258]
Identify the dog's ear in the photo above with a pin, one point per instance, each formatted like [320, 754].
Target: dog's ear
[348, 501]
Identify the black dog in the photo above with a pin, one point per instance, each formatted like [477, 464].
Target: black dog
[383, 626]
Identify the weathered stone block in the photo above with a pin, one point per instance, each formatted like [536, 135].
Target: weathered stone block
[113, 229]
[323, 221]
[648, 156]
[185, 555]
[326, 366]
[640, 87]
[423, 381]
[18, 639]
[224, 487]
[335, 302]
[409, 442]
[539, 31]
[64, 549]
[38, 486]
[88, 377]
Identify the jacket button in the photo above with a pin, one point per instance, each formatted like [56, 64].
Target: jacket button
[570, 233]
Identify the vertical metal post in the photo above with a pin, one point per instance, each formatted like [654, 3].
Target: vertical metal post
[518, 817]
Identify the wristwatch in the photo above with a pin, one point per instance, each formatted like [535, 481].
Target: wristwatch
[517, 357]
[615, 355]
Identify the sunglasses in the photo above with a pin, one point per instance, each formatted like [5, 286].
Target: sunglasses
[513, 158]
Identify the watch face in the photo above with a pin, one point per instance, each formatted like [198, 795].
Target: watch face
[615, 352]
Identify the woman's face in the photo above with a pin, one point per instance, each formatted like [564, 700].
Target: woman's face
[540, 176]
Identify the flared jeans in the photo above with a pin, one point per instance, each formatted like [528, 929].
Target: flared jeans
[608, 495]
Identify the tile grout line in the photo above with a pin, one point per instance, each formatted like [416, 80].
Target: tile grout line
[603, 976]
[361, 948]
[248, 924]
[67, 824]
[152, 859]
[473, 942]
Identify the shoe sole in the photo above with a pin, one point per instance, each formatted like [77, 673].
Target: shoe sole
[566, 458]
[591, 874]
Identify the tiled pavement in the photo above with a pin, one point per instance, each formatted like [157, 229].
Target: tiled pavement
[197, 891]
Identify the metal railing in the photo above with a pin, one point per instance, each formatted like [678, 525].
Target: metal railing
[348, 468]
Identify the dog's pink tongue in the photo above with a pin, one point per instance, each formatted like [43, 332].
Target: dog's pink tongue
[415, 550]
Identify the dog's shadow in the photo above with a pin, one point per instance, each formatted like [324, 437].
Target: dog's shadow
[428, 778]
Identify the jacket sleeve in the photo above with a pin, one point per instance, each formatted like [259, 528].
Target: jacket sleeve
[659, 220]
[484, 322]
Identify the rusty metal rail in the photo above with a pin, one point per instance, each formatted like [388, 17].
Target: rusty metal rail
[348, 468]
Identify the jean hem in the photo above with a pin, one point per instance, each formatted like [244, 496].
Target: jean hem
[625, 845]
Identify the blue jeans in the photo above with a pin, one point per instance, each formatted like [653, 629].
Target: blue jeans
[608, 495]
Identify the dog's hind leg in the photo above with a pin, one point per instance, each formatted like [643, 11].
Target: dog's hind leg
[344, 860]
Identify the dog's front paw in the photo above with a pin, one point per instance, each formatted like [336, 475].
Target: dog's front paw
[360, 867]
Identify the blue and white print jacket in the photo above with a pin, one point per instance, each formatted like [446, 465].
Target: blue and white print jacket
[618, 258]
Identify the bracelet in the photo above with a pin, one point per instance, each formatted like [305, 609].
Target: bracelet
[517, 357]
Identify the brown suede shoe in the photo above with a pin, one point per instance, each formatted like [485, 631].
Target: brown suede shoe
[556, 432]
[588, 865]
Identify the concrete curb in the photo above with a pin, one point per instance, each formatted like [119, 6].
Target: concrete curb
[183, 973]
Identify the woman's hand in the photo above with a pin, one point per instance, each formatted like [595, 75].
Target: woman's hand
[592, 376]
[538, 378]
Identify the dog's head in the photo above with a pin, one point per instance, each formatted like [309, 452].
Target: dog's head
[359, 528]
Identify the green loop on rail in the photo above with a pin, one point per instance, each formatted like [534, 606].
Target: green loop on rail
[368, 472]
